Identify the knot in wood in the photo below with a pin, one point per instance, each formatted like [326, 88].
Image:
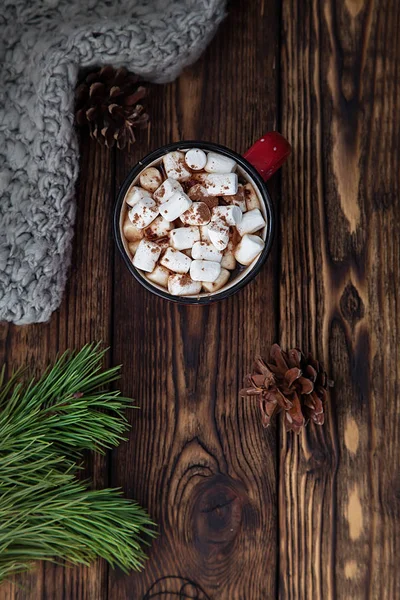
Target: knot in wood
[217, 512]
[351, 305]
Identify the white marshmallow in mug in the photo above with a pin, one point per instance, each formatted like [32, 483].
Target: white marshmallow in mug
[166, 190]
[248, 248]
[204, 234]
[219, 234]
[198, 214]
[252, 200]
[196, 159]
[183, 238]
[198, 192]
[205, 270]
[228, 259]
[183, 285]
[221, 280]
[238, 199]
[232, 215]
[218, 184]
[150, 179]
[176, 261]
[159, 275]
[217, 163]
[158, 228]
[133, 246]
[146, 255]
[175, 206]
[143, 213]
[135, 194]
[131, 232]
[251, 222]
[175, 166]
[206, 251]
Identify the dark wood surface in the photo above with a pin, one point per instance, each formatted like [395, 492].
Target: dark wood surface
[247, 513]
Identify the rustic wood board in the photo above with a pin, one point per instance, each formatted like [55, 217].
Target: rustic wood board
[244, 513]
[339, 485]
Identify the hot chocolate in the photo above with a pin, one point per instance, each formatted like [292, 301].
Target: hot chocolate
[193, 222]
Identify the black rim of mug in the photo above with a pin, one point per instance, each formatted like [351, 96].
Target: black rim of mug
[156, 154]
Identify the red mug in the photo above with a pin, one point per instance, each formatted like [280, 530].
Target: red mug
[257, 165]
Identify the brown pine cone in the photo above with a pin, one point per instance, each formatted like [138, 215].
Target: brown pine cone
[107, 102]
[262, 383]
[292, 383]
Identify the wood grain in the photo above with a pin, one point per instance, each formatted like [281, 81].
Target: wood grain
[326, 73]
[85, 315]
[197, 456]
[339, 485]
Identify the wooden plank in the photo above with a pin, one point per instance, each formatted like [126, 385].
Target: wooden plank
[85, 315]
[339, 485]
[197, 456]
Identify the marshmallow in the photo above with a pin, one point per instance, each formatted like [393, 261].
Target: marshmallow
[218, 184]
[205, 270]
[174, 165]
[217, 163]
[175, 261]
[130, 231]
[219, 234]
[196, 159]
[166, 190]
[251, 222]
[218, 283]
[175, 206]
[134, 194]
[184, 237]
[146, 256]
[228, 259]
[198, 214]
[249, 247]
[159, 275]
[204, 234]
[133, 246]
[238, 199]
[150, 179]
[143, 213]
[158, 228]
[182, 285]
[252, 200]
[198, 193]
[206, 251]
[231, 215]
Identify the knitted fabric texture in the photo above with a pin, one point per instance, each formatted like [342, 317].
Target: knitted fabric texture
[43, 44]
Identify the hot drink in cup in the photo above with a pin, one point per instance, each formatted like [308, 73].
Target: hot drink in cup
[193, 223]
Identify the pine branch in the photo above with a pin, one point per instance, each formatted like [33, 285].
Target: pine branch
[46, 513]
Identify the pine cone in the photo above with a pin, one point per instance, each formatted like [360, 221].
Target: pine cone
[107, 102]
[262, 383]
[292, 383]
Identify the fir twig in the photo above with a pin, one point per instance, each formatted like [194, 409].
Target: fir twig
[46, 513]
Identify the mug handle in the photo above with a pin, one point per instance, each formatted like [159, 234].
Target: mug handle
[268, 153]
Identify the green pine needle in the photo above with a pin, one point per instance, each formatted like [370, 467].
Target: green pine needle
[46, 513]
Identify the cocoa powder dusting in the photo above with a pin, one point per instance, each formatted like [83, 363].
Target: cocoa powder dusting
[150, 234]
[203, 211]
[235, 236]
[210, 201]
[185, 279]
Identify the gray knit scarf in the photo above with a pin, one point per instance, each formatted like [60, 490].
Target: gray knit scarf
[43, 44]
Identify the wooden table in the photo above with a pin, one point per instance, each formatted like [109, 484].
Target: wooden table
[247, 513]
